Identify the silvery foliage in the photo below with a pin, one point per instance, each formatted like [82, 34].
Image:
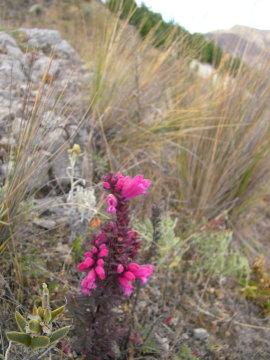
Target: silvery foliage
[81, 200]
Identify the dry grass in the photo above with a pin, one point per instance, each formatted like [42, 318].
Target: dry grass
[204, 142]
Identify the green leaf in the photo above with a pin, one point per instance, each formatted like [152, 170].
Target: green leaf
[59, 334]
[57, 312]
[39, 342]
[40, 312]
[34, 326]
[19, 337]
[47, 315]
[21, 321]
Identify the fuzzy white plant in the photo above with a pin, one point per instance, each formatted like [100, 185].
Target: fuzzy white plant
[81, 200]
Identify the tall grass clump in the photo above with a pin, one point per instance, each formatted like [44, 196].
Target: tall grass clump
[27, 160]
[203, 140]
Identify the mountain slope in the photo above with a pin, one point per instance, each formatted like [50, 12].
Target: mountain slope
[251, 44]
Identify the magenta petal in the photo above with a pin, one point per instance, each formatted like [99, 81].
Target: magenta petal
[111, 210]
[128, 288]
[88, 262]
[100, 262]
[106, 185]
[133, 267]
[86, 291]
[89, 282]
[103, 253]
[128, 291]
[134, 187]
[94, 250]
[144, 280]
[144, 271]
[88, 253]
[120, 268]
[100, 271]
[111, 200]
[129, 276]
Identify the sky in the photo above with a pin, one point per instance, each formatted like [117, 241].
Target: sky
[208, 15]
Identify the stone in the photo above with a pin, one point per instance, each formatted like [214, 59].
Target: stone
[45, 66]
[42, 39]
[200, 334]
[50, 205]
[46, 224]
[11, 71]
[40, 178]
[56, 139]
[59, 167]
[66, 51]
[9, 46]
[54, 124]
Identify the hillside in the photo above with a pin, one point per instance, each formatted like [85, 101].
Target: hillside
[134, 182]
[251, 44]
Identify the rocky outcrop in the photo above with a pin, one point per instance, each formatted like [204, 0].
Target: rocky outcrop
[41, 77]
[41, 82]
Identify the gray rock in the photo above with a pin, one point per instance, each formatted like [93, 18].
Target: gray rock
[51, 121]
[66, 51]
[40, 176]
[49, 206]
[59, 168]
[11, 71]
[44, 65]
[53, 130]
[56, 139]
[9, 46]
[200, 334]
[42, 39]
[46, 224]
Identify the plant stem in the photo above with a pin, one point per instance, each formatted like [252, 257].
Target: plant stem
[8, 350]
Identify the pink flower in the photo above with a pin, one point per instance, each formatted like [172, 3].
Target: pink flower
[94, 250]
[120, 268]
[135, 271]
[120, 181]
[132, 187]
[111, 210]
[103, 251]
[100, 271]
[112, 202]
[89, 282]
[128, 288]
[106, 185]
[86, 264]
[133, 267]
[143, 272]
[129, 276]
